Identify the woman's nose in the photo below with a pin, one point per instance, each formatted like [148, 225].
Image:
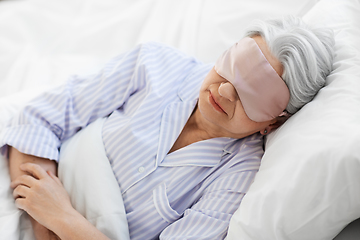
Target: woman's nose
[228, 91]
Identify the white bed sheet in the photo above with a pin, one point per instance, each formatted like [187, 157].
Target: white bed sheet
[43, 42]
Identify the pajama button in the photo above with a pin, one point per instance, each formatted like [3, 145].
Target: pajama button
[141, 169]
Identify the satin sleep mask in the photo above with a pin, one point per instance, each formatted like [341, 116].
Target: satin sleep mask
[262, 92]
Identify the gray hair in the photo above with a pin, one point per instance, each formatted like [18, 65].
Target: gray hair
[306, 55]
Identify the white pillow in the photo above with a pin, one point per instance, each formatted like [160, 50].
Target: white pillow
[87, 176]
[308, 186]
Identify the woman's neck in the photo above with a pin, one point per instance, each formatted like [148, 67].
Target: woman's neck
[202, 128]
[192, 132]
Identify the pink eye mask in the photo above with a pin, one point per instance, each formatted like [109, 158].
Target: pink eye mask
[263, 94]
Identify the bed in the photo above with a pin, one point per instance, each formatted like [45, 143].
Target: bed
[308, 186]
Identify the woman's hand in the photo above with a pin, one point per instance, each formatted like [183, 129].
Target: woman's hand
[42, 196]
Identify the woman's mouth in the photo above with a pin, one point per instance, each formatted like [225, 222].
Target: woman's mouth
[215, 104]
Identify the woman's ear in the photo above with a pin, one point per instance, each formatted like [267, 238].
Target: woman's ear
[277, 123]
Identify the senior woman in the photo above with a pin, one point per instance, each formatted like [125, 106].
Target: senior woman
[184, 139]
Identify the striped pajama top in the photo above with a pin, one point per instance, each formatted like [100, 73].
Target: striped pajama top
[147, 96]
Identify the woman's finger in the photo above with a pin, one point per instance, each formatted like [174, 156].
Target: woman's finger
[34, 169]
[25, 180]
[20, 191]
[21, 203]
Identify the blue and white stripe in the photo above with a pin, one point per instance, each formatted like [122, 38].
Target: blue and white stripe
[147, 96]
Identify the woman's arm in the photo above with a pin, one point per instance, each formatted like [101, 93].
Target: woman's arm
[17, 158]
[76, 227]
[43, 124]
[47, 121]
[41, 194]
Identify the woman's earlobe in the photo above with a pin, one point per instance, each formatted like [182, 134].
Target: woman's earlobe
[277, 123]
[265, 131]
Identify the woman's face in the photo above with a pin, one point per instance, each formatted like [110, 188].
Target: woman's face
[220, 105]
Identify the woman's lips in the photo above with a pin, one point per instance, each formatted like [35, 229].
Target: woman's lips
[215, 104]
